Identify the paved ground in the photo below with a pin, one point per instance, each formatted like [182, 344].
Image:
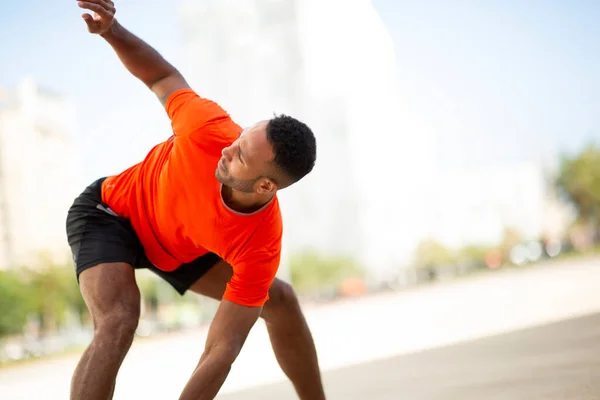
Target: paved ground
[556, 361]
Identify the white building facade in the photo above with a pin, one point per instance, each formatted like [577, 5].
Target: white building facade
[307, 59]
[38, 174]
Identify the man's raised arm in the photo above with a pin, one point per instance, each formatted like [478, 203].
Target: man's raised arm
[139, 58]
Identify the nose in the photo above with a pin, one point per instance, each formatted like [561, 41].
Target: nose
[226, 152]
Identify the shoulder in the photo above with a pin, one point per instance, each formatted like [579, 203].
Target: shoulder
[191, 113]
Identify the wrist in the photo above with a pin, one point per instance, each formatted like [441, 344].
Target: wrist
[112, 31]
[207, 379]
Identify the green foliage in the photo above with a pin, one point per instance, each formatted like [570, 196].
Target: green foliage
[579, 180]
[15, 303]
[54, 291]
[311, 271]
[44, 294]
[73, 296]
[149, 290]
[473, 254]
[431, 253]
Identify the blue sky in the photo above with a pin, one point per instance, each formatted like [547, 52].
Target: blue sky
[496, 80]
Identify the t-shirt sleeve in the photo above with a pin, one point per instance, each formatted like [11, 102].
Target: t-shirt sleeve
[252, 278]
[199, 118]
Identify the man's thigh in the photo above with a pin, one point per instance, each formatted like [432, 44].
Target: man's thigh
[104, 248]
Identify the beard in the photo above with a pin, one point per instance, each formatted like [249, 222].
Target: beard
[241, 185]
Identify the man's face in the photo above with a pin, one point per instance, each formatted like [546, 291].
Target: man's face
[245, 164]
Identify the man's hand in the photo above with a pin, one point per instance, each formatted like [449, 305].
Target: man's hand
[139, 58]
[103, 15]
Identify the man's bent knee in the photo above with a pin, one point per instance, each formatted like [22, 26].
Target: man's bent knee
[118, 327]
[113, 298]
[282, 300]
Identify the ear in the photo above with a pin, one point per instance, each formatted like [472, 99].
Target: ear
[266, 186]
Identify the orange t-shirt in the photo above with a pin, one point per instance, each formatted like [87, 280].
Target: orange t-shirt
[174, 203]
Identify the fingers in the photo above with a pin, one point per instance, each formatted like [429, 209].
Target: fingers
[91, 24]
[105, 3]
[102, 8]
[89, 20]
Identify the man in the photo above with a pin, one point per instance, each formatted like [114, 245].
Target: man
[216, 233]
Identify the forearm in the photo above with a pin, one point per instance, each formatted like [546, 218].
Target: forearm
[209, 376]
[144, 62]
[226, 336]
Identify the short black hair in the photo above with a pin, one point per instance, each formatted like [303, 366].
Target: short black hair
[294, 145]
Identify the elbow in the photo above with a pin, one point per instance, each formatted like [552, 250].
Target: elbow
[157, 79]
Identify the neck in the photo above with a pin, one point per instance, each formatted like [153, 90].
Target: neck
[244, 202]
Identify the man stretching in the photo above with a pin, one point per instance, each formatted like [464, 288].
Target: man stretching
[200, 211]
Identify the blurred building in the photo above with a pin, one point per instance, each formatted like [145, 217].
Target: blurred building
[37, 174]
[337, 71]
[387, 160]
[473, 207]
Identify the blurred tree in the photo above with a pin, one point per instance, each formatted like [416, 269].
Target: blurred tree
[579, 180]
[150, 291]
[310, 271]
[474, 255]
[431, 253]
[15, 303]
[73, 296]
[54, 291]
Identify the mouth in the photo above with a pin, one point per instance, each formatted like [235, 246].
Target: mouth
[221, 165]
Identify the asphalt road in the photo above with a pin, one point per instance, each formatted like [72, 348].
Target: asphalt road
[556, 361]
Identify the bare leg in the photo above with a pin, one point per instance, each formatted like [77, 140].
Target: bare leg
[289, 333]
[292, 342]
[113, 299]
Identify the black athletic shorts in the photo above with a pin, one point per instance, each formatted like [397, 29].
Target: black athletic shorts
[98, 235]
